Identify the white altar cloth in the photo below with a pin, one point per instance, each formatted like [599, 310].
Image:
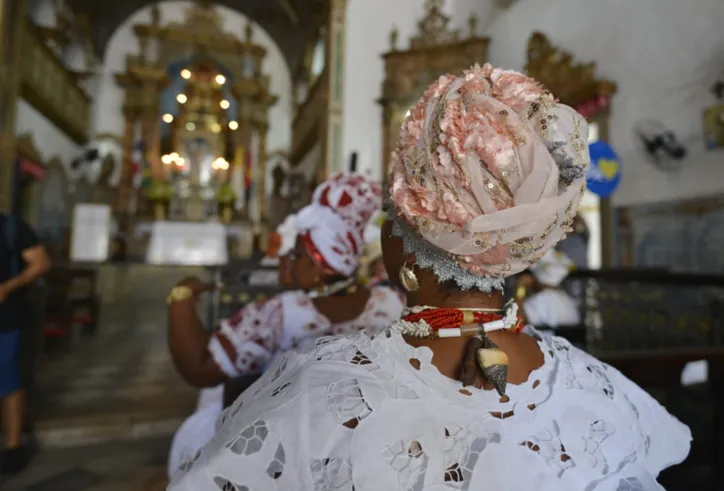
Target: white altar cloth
[187, 243]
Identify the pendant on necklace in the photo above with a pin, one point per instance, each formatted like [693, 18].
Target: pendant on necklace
[494, 363]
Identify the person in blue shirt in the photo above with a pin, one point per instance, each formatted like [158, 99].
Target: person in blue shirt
[23, 260]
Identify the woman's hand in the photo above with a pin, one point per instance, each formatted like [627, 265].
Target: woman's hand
[197, 286]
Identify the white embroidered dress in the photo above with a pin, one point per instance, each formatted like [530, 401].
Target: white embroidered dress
[258, 334]
[355, 414]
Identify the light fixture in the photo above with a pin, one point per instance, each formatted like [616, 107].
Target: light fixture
[224, 104]
[233, 125]
[166, 159]
[167, 118]
[220, 79]
[174, 156]
[190, 126]
[215, 127]
[181, 98]
[180, 162]
[220, 164]
[186, 73]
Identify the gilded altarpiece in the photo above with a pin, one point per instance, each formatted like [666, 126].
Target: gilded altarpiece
[205, 141]
[435, 49]
[576, 85]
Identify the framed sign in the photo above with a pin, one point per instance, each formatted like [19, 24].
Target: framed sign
[90, 232]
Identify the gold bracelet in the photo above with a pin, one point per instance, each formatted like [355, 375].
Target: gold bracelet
[179, 294]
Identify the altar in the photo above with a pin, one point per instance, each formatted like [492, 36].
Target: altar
[187, 244]
[196, 104]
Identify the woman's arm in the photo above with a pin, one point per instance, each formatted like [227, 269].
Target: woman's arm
[188, 341]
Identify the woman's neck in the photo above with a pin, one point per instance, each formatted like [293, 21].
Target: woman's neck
[448, 353]
[456, 300]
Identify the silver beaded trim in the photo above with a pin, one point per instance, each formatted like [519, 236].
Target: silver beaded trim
[442, 265]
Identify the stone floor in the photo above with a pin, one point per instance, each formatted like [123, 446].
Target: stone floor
[106, 408]
[119, 383]
[117, 466]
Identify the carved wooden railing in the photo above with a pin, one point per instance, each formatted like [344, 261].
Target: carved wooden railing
[649, 325]
[243, 282]
[650, 310]
[51, 88]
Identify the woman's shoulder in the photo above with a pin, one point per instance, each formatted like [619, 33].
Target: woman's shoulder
[384, 306]
[586, 384]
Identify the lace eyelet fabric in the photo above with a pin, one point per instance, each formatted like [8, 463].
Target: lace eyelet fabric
[369, 413]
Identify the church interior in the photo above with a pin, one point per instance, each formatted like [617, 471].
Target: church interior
[148, 141]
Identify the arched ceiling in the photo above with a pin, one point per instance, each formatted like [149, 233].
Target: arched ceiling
[288, 22]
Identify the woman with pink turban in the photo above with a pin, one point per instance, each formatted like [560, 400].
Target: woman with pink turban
[457, 393]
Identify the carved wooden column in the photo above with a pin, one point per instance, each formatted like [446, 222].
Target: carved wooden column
[261, 174]
[151, 129]
[12, 24]
[335, 66]
[243, 90]
[123, 201]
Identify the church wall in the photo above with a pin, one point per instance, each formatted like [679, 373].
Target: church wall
[107, 113]
[48, 138]
[663, 54]
[369, 23]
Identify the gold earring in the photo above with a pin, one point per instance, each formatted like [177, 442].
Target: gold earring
[408, 279]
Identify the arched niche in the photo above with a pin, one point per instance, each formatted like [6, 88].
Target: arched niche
[108, 109]
[576, 85]
[144, 59]
[435, 49]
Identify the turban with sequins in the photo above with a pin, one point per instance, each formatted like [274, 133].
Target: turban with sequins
[489, 169]
[332, 225]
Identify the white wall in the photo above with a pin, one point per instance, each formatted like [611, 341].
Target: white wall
[663, 54]
[369, 23]
[49, 140]
[107, 115]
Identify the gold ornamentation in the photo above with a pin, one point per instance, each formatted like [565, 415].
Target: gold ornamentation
[179, 294]
[572, 83]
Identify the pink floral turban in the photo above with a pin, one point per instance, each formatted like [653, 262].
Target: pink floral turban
[490, 169]
[332, 226]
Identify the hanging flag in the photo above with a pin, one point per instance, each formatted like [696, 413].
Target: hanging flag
[604, 173]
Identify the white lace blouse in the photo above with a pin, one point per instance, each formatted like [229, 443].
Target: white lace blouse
[247, 342]
[373, 414]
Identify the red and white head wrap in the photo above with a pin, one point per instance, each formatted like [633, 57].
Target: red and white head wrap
[332, 225]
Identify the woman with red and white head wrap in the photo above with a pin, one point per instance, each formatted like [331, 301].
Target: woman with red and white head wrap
[321, 247]
[485, 179]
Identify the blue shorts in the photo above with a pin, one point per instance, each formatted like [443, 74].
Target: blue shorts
[9, 375]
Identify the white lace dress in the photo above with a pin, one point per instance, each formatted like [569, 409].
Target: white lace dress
[259, 333]
[373, 414]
